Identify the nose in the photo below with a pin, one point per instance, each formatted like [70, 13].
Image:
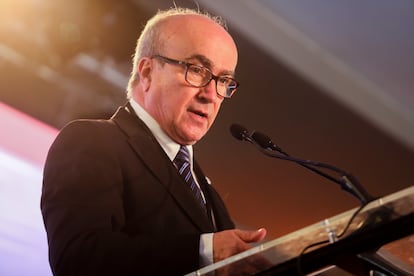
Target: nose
[209, 92]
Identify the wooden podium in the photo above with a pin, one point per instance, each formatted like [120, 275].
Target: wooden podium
[378, 237]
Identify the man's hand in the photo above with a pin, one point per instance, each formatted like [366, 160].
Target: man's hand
[230, 242]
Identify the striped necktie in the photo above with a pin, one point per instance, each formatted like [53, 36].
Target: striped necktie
[182, 161]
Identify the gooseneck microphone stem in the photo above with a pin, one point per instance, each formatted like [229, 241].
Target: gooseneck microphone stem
[272, 148]
[346, 181]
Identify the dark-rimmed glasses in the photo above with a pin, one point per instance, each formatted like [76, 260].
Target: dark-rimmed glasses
[200, 76]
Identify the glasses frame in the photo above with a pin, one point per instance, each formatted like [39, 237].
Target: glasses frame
[212, 76]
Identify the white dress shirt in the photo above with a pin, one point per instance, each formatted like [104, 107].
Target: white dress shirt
[171, 148]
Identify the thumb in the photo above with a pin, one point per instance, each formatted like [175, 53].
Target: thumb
[253, 236]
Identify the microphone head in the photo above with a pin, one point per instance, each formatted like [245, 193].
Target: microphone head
[264, 141]
[239, 132]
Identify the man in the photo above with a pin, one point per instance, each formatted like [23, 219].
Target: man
[113, 200]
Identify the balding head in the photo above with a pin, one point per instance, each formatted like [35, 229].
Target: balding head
[151, 39]
[183, 105]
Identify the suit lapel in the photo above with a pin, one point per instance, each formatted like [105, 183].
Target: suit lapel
[215, 204]
[150, 152]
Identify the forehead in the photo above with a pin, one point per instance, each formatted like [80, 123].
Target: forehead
[185, 36]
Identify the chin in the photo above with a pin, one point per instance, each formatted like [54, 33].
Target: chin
[192, 138]
[192, 133]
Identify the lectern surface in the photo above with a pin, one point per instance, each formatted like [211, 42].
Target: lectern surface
[384, 226]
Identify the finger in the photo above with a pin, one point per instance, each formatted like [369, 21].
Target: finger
[262, 234]
[252, 236]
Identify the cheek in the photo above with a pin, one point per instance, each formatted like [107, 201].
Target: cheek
[216, 109]
[173, 104]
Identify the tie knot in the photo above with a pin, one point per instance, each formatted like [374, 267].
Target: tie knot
[183, 155]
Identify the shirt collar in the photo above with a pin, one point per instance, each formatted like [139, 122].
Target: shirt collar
[170, 147]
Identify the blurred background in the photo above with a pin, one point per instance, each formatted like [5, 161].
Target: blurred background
[329, 81]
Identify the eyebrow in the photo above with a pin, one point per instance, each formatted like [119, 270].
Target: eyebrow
[205, 61]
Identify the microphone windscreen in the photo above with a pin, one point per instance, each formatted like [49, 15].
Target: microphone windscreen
[239, 132]
[263, 140]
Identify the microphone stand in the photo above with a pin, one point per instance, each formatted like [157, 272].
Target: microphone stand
[347, 182]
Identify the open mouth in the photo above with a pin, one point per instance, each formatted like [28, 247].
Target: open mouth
[199, 113]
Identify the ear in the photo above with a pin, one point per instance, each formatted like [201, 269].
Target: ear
[144, 71]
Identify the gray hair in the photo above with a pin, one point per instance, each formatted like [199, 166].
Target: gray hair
[149, 41]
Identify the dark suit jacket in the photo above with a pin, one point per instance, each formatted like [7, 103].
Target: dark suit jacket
[114, 204]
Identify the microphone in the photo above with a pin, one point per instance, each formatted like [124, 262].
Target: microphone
[240, 133]
[265, 142]
[347, 182]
